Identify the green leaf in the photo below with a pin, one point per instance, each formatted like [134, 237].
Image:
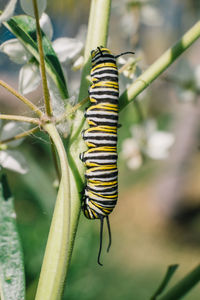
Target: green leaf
[170, 272]
[12, 283]
[24, 28]
[183, 286]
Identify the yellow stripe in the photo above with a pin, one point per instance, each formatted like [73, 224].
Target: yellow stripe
[104, 148]
[102, 196]
[102, 168]
[108, 84]
[107, 106]
[100, 183]
[112, 65]
[102, 129]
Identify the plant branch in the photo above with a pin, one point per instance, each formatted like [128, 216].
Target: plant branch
[42, 63]
[22, 98]
[20, 135]
[20, 119]
[55, 263]
[160, 65]
[72, 110]
[96, 36]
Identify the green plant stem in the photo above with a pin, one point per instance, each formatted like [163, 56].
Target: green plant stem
[183, 286]
[160, 65]
[55, 160]
[55, 263]
[22, 98]
[72, 110]
[20, 135]
[42, 63]
[20, 119]
[96, 36]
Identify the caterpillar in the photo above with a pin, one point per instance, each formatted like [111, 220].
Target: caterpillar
[101, 190]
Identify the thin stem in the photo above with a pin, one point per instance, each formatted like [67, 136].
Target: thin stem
[72, 110]
[160, 65]
[20, 135]
[128, 64]
[20, 119]
[42, 63]
[44, 79]
[22, 98]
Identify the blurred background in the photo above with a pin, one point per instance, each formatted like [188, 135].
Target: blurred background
[156, 222]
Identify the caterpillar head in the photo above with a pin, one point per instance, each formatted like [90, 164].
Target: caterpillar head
[100, 54]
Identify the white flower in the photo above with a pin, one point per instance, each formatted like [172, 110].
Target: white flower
[14, 161]
[187, 79]
[8, 11]
[158, 144]
[9, 158]
[186, 95]
[67, 49]
[29, 78]
[16, 51]
[27, 6]
[128, 67]
[131, 153]
[151, 16]
[146, 140]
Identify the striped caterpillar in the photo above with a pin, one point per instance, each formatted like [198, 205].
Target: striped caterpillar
[101, 190]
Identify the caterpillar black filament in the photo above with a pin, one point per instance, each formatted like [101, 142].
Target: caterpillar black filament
[101, 191]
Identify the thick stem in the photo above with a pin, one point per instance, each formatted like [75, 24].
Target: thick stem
[160, 65]
[55, 261]
[42, 63]
[97, 35]
[22, 98]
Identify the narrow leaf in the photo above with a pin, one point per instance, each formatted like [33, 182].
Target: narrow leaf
[12, 285]
[183, 286]
[23, 27]
[170, 272]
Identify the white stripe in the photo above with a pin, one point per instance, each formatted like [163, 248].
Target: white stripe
[102, 142]
[105, 179]
[96, 119]
[97, 154]
[103, 71]
[103, 59]
[104, 89]
[101, 112]
[104, 97]
[102, 172]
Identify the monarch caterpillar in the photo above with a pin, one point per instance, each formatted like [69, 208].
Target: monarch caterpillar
[101, 190]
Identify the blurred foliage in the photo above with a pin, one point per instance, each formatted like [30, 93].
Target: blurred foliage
[145, 240]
